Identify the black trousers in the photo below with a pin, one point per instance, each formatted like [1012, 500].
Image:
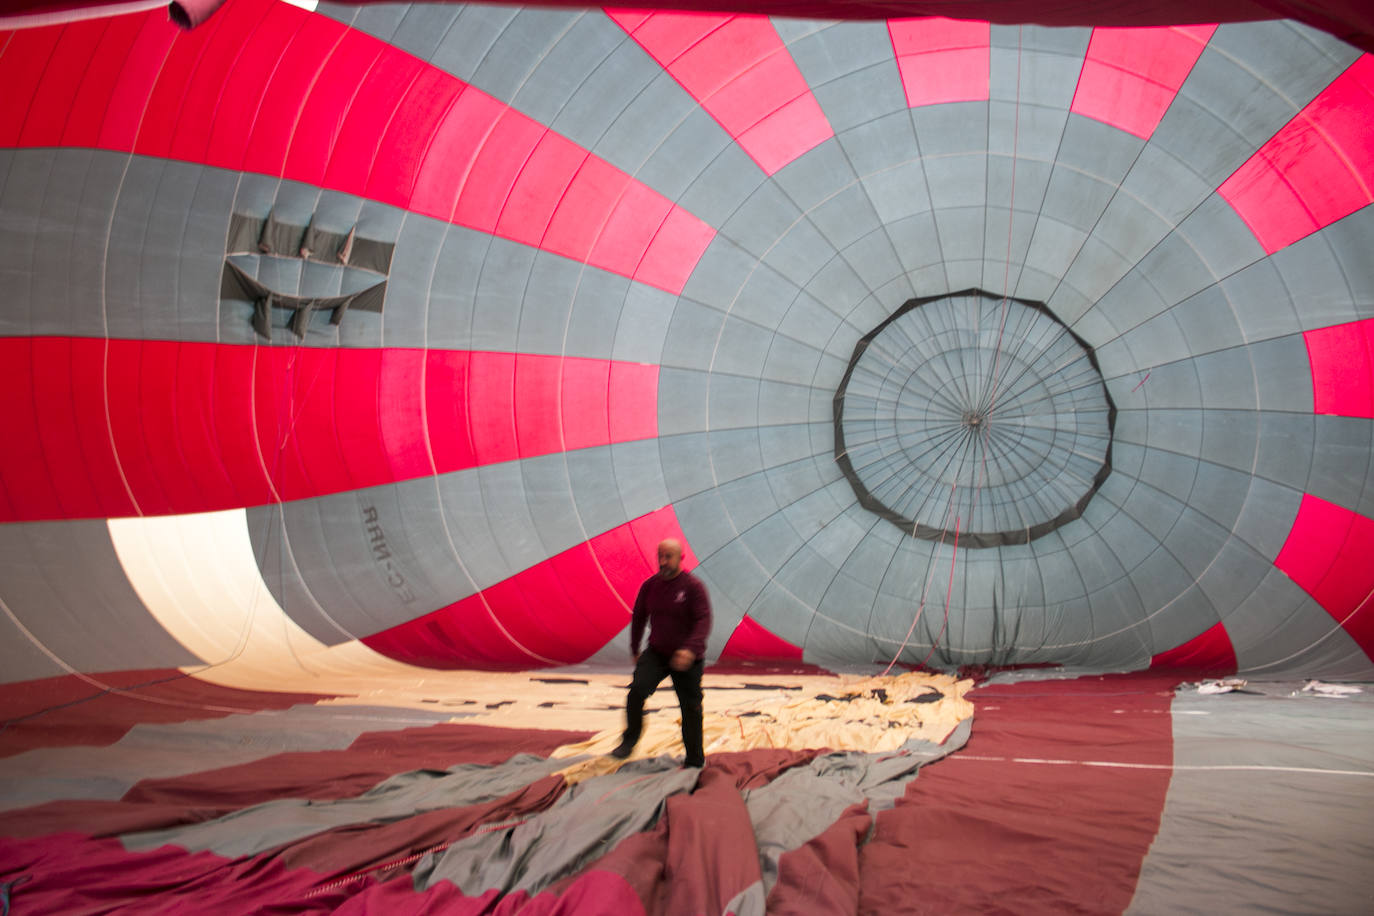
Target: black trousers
[650, 671]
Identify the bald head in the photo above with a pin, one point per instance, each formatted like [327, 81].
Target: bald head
[669, 558]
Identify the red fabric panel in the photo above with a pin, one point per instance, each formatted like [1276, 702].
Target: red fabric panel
[402, 386]
[189, 70]
[942, 60]
[107, 428]
[538, 408]
[446, 399]
[740, 71]
[22, 70]
[640, 233]
[143, 60]
[239, 445]
[310, 144]
[101, 72]
[1317, 169]
[1327, 554]
[1210, 653]
[328, 401]
[822, 876]
[752, 640]
[240, 99]
[678, 243]
[294, 80]
[379, 124]
[495, 168]
[559, 611]
[1342, 359]
[491, 410]
[1130, 76]
[535, 213]
[586, 403]
[97, 709]
[1052, 837]
[61, 78]
[633, 399]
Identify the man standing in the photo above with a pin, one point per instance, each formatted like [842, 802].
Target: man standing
[675, 605]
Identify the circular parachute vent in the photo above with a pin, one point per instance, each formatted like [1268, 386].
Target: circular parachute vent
[974, 391]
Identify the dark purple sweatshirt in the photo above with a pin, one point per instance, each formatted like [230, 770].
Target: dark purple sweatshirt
[678, 612]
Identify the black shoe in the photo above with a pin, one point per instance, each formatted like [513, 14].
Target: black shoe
[623, 751]
[693, 764]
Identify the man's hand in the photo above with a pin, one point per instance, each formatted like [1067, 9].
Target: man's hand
[682, 660]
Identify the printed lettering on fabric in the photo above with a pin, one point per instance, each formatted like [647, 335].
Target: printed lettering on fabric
[381, 555]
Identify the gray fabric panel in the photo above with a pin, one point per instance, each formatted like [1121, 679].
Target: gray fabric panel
[258, 828]
[587, 820]
[348, 565]
[164, 228]
[163, 751]
[1306, 847]
[63, 584]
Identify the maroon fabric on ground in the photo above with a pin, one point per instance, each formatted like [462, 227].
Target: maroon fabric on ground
[823, 875]
[637, 862]
[94, 818]
[70, 710]
[319, 775]
[712, 855]
[71, 873]
[998, 836]
[752, 769]
[646, 861]
[347, 850]
[75, 875]
[589, 893]
[372, 757]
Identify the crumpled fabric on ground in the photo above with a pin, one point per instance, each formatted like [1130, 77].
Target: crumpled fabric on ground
[258, 828]
[587, 821]
[855, 719]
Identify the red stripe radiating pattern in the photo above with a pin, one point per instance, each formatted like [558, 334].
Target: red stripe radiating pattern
[1328, 554]
[1317, 169]
[1130, 76]
[752, 640]
[739, 70]
[136, 427]
[561, 610]
[1209, 652]
[942, 60]
[1342, 359]
[267, 87]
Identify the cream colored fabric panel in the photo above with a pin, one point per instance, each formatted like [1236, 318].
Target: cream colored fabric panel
[199, 579]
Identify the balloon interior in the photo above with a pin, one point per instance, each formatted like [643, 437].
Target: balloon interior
[1008, 387]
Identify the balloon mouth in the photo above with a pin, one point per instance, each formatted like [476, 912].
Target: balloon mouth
[975, 419]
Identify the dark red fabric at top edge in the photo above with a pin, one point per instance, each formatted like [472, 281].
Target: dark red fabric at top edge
[1068, 12]
[1025, 837]
[97, 709]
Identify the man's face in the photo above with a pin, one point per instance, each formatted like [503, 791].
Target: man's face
[669, 560]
